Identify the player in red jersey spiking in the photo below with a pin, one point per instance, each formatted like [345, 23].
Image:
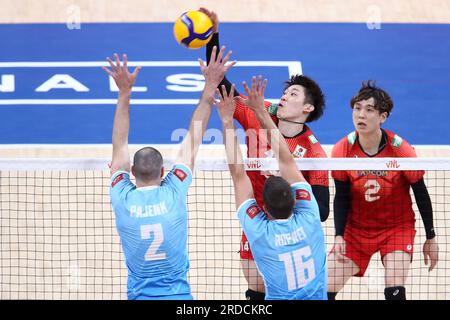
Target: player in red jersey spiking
[301, 102]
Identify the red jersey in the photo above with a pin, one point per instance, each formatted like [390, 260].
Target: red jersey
[303, 145]
[379, 199]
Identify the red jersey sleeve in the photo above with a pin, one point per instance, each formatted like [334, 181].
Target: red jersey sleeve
[340, 151]
[240, 113]
[405, 150]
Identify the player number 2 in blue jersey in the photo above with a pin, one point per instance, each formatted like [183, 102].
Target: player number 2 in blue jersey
[146, 231]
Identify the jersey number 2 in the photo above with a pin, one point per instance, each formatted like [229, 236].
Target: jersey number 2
[372, 188]
[298, 270]
[158, 238]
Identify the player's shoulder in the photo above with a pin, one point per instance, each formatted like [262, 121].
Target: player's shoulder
[310, 137]
[119, 177]
[181, 170]
[300, 185]
[250, 207]
[178, 179]
[341, 147]
[399, 146]
[310, 141]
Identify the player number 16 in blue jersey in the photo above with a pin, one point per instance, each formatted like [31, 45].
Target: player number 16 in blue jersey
[298, 270]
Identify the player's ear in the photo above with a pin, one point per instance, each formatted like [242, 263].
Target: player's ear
[132, 170]
[384, 116]
[308, 108]
[162, 171]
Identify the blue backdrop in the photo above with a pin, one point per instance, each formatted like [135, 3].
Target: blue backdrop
[410, 61]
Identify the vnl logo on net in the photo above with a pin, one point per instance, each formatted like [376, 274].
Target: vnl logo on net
[83, 82]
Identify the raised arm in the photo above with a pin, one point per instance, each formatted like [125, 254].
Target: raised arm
[124, 81]
[242, 186]
[215, 42]
[255, 101]
[213, 73]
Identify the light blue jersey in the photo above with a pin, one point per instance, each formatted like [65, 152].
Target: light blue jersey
[152, 225]
[290, 254]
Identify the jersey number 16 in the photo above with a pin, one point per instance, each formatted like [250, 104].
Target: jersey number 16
[298, 271]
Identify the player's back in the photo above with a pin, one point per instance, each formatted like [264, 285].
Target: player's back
[152, 224]
[290, 254]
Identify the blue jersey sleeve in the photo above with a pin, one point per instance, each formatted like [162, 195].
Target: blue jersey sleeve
[179, 179]
[252, 218]
[120, 186]
[305, 202]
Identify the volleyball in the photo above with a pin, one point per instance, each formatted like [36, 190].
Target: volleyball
[193, 29]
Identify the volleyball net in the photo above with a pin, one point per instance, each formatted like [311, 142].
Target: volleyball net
[59, 241]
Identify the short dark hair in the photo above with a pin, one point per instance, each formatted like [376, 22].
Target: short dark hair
[278, 197]
[147, 164]
[313, 94]
[383, 101]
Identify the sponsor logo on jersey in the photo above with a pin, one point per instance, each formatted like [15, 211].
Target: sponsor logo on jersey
[116, 180]
[302, 194]
[299, 152]
[377, 173]
[180, 174]
[253, 211]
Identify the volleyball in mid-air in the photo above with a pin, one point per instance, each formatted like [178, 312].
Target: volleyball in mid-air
[193, 29]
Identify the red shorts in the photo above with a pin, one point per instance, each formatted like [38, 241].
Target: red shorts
[361, 244]
[245, 252]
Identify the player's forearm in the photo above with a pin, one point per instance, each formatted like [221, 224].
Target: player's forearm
[233, 151]
[214, 42]
[197, 127]
[288, 167]
[322, 195]
[425, 207]
[121, 124]
[341, 206]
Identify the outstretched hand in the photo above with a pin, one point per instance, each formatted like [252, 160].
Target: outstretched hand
[216, 69]
[226, 104]
[124, 79]
[255, 100]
